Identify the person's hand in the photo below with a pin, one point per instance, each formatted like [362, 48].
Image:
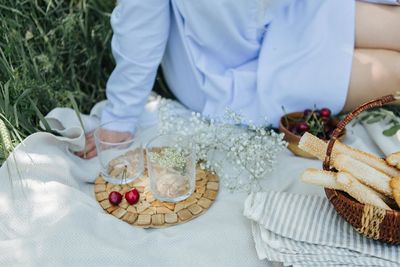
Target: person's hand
[105, 136]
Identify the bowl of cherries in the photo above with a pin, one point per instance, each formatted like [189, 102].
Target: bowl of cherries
[318, 122]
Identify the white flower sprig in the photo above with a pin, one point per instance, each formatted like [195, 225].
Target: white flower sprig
[170, 157]
[241, 155]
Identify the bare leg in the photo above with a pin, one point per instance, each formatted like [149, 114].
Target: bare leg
[377, 26]
[375, 73]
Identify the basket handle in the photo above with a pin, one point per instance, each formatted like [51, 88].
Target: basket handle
[349, 117]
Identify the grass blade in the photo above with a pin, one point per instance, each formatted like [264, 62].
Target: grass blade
[76, 109]
[41, 117]
[6, 95]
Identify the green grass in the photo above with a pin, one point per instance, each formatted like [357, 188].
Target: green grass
[51, 50]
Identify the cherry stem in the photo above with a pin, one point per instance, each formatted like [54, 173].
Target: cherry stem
[125, 173]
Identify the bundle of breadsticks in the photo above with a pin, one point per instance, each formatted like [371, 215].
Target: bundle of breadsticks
[366, 177]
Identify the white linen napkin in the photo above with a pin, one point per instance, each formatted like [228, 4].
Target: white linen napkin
[388, 144]
[305, 230]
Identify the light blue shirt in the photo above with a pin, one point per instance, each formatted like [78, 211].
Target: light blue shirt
[236, 54]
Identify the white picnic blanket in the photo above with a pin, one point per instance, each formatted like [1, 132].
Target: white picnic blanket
[49, 216]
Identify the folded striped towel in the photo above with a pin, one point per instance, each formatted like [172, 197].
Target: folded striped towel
[305, 230]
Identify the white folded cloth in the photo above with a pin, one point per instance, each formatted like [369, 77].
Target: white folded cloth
[305, 230]
[387, 144]
[49, 216]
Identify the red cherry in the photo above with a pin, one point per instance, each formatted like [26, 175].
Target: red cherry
[132, 197]
[307, 112]
[115, 197]
[293, 129]
[325, 113]
[302, 127]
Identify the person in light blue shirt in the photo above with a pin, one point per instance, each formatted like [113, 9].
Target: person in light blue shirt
[252, 56]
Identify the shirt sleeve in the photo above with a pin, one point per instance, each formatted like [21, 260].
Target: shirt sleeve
[140, 32]
[386, 2]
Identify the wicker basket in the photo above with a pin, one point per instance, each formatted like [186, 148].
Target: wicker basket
[368, 220]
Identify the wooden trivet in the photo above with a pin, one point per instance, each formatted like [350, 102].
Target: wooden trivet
[152, 213]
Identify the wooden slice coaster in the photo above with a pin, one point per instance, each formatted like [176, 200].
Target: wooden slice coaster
[152, 213]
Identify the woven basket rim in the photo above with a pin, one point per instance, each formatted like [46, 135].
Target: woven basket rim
[342, 196]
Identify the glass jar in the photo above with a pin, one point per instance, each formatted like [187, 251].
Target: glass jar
[119, 152]
[171, 167]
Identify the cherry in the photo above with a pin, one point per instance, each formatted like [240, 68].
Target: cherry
[115, 197]
[307, 112]
[302, 127]
[325, 113]
[132, 197]
[293, 129]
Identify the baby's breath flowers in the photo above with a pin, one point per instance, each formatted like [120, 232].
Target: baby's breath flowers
[240, 152]
[170, 157]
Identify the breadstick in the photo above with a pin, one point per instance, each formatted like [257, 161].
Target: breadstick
[395, 185]
[317, 148]
[318, 177]
[364, 173]
[394, 160]
[359, 191]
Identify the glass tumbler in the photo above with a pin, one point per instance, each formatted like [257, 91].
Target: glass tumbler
[120, 153]
[171, 167]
